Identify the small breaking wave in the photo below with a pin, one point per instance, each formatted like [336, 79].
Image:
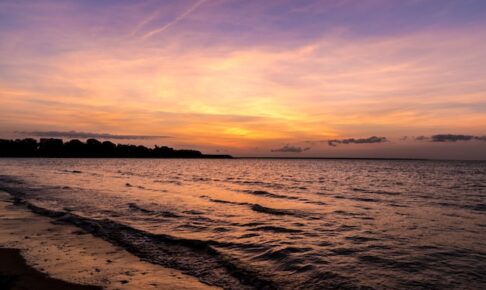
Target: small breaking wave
[382, 192]
[73, 171]
[265, 193]
[194, 257]
[268, 194]
[275, 229]
[223, 201]
[162, 213]
[268, 210]
[259, 208]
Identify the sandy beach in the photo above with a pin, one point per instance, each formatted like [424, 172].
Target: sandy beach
[35, 253]
[15, 273]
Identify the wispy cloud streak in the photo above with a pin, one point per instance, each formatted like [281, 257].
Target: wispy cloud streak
[145, 21]
[173, 22]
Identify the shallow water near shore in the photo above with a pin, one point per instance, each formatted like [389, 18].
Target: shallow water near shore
[67, 253]
[287, 224]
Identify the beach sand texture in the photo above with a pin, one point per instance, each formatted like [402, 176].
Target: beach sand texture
[71, 256]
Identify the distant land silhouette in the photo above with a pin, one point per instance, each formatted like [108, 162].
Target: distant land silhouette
[92, 148]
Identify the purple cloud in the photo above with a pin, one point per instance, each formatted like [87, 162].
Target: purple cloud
[290, 149]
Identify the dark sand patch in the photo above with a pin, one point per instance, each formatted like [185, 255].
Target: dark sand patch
[16, 274]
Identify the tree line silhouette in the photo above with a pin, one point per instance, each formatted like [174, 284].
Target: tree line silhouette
[49, 147]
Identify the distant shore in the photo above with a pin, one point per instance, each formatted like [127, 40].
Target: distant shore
[92, 148]
[336, 158]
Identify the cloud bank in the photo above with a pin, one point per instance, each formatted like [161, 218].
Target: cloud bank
[291, 149]
[370, 140]
[450, 138]
[86, 135]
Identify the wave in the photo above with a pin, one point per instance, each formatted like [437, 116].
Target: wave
[176, 182]
[382, 192]
[223, 201]
[268, 210]
[259, 208]
[268, 194]
[11, 180]
[162, 213]
[254, 182]
[285, 257]
[73, 171]
[193, 257]
[275, 229]
[363, 199]
[280, 196]
[360, 239]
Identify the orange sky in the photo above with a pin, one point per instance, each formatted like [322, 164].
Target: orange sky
[250, 79]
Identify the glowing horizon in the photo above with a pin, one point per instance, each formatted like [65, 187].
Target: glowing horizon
[251, 78]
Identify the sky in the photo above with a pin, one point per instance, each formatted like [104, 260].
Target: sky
[307, 78]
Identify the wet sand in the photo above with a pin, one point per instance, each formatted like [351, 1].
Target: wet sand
[52, 255]
[16, 274]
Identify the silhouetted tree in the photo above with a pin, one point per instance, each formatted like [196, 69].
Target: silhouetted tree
[92, 148]
[108, 148]
[50, 147]
[73, 148]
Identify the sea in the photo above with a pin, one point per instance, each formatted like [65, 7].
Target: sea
[275, 223]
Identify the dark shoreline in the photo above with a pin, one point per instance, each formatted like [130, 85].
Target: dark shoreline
[15, 273]
[124, 157]
[92, 148]
[341, 158]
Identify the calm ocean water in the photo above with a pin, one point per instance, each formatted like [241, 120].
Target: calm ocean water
[250, 223]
